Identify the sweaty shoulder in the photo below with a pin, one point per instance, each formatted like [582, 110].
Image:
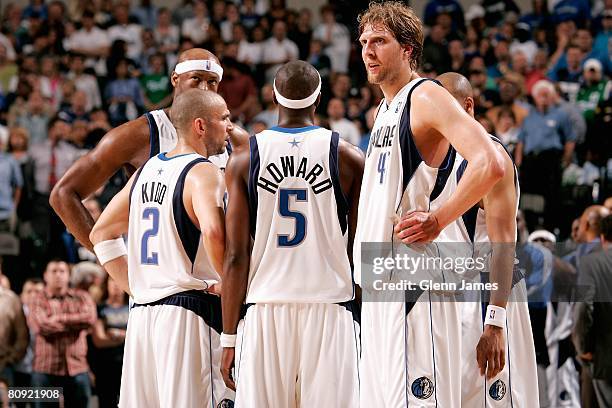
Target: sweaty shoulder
[239, 137]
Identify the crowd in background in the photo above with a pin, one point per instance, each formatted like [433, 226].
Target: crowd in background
[70, 71]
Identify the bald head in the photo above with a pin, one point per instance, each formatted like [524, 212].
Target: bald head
[296, 80]
[459, 87]
[589, 227]
[197, 54]
[194, 104]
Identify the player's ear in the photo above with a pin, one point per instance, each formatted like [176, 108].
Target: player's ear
[318, 101]
[407, 51]
[468, 105]
[174, 79]
[274, 98]
[199, 126]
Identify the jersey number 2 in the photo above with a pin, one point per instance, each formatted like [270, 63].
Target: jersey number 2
[145, 259]
[300, 221]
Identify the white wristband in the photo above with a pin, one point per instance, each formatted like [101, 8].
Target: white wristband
[106, 251]
[228, 340]
[495, 316]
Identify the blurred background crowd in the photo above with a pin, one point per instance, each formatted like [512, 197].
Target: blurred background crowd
[70, 71]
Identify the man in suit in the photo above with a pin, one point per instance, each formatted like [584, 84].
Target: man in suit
[592, 334]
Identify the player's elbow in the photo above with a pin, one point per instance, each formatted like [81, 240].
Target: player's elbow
[96, 235]
[57, 196]
[493, 167]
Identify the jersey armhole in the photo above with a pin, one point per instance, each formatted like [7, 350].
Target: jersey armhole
[153, 135]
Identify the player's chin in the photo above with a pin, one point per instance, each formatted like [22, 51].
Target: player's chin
[375, 78]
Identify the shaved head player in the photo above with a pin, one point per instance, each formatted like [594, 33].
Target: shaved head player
[296, 194]
[410, 353]
[132, 143]
[172, 350]
[500, 346]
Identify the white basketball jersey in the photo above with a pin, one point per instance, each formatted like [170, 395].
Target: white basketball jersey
[472, 226]
[163, 242]
[396, 179]
[163, 137]
[298, 218]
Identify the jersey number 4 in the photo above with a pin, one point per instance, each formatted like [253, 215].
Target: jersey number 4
[382, 161]
[301, 194]
[145, 259]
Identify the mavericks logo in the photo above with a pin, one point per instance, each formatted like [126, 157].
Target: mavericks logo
[497, 391]
[422, 388]
[226, 403]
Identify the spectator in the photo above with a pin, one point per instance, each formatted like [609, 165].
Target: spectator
[302, 33]
[250, 53]
[90, 41]
[338, 122]
[89, 277]
[546, 142]
[572, 10]
[33, 116]
[435, 50]
[593, 90]
[335, 38]
[156, 87]
[149, 48]
[146, 14]
[232, 18]
[83, 81]
[123, 96]
[108, 337]
[498, 10]
[501, 60]
[523, 42]
[18, 144]
[248, 14]
[593, 341]
[239, 91]
[78, 108]
[458, 62]
[319, 60]
[166, 33]
[60, 318]
[574, 115]
[506, 128]
[509, 92]
[51, 159]
[539, 17]
[32, 288]
[8, 72]
[51, 81]
[602, 40]
[269, 115]
[451, 7]
[11, 183]
[78, 135]
[218, 12]
[485, 92]
[13, 332]
[125, 30]
[341, 87]
[278, 50]
[196, 28]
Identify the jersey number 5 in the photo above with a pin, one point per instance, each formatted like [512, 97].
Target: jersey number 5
[145, 259]
[301, 194]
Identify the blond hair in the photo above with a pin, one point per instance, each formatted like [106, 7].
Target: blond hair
[401, 21]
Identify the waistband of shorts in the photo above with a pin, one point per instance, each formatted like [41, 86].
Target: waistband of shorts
[353, 306]
[203, 304]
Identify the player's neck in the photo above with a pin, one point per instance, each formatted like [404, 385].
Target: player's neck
[183, 147]
[391, 88]
[288, 120]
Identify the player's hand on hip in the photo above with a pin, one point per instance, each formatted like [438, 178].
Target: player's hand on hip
[227, 363]
[417, 226]
[491, 351]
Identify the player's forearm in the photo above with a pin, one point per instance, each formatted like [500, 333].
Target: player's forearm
[501, 271]
[67, 204]
[118, 270]
[477, 181]
[235, 277]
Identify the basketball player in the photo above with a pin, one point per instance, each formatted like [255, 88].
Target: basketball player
[505, 347]
[296, 194]
[411, 351]
[172, 350]
[132, 143]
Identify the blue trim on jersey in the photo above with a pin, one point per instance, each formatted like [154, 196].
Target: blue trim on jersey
[163, 157]
[153, 135]
[411, 158]
[341, 201]
[134, 185]
[470, 216]
[205, 305]
[187, 231]
[293, 130]
[433, 351]
[443, 173]
[509, 364]
[252, 183]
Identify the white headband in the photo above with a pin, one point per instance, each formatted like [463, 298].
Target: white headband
[298, 103]
[199, 65]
